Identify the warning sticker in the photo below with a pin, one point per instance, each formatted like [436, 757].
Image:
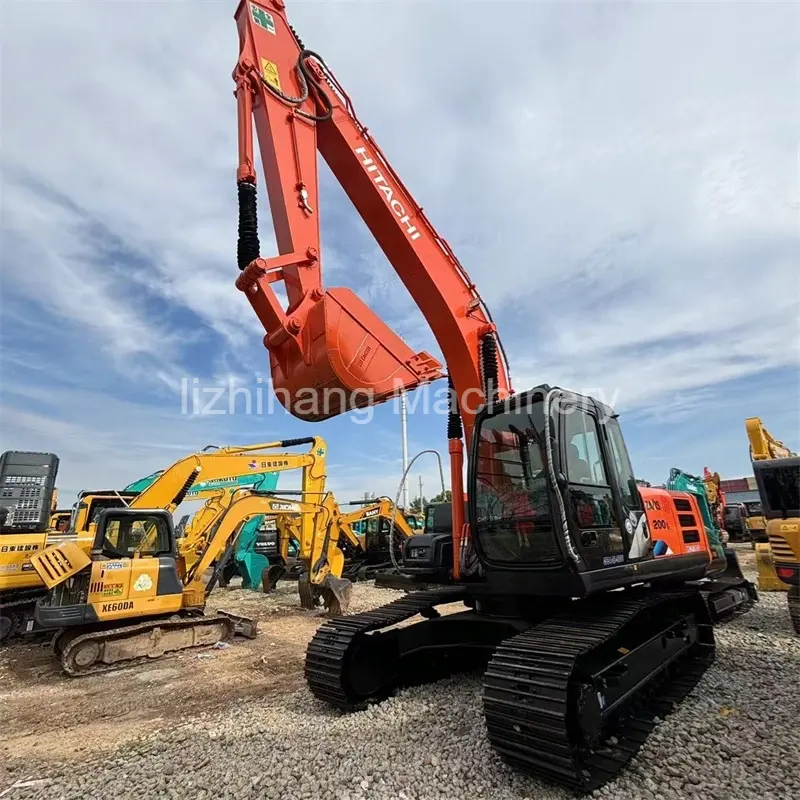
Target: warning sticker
[270, 72]
[262, 18]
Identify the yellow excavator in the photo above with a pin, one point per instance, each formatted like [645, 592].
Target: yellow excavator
[19, 583]
[28, 500]
[362, 536]
[136, 596]
[366, 534]
[777, 472]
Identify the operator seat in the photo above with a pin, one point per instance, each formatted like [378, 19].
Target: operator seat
[578, 467]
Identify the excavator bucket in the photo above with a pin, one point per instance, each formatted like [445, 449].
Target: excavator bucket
[768, 580]
[270, 577]
[351, 360]
[336, 593]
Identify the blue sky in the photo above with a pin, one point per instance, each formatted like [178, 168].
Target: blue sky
[619, 180]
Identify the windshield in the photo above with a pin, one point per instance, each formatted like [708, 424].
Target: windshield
[101, 504]
[780, 489]
[512, 501]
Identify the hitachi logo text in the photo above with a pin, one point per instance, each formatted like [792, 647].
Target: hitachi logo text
[393, 203]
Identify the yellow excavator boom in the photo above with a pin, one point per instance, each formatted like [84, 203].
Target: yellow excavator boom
[763, 445]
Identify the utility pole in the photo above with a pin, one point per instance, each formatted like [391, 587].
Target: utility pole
[421, 499]
[404, 437]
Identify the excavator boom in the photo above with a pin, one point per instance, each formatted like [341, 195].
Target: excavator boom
[763, 445]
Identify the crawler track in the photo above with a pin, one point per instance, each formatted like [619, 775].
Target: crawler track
[571, 698]
[335, 646]
[102, 650]
[574, 698]
[15, 611]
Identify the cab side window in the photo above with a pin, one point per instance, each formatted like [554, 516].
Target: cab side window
[622, 464]
[589, 490]
[584, 460]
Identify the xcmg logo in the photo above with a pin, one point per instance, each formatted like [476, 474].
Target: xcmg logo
[391, 200]
[284, 507]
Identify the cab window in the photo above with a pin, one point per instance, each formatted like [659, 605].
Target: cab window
[622, 464]
[124, 537]
[590, 494]
[584, 461]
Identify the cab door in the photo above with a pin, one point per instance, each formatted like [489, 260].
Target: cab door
[635, 528]
[591, 479]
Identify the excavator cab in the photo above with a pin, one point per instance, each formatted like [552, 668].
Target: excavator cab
[132, 570]
[778, 481]
[553, 492]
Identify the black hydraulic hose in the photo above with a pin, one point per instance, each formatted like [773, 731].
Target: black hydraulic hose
[455, 429]
[178, 499]
[248, 247]
[305, 79]
[295, 442]
[490, 368]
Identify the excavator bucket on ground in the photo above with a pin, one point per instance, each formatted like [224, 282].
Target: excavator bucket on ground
[351, 359]
[271, 576]
[334, 593]
[768, 580]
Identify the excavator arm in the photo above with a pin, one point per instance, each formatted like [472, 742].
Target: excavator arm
[174, 484]
[321, 552]
[328, 352]
[383, 508]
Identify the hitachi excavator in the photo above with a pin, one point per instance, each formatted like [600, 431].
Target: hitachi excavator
[708, 501]
[777, 472]
[575, 674]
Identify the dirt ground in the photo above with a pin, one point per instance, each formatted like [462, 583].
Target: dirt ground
[49, 716]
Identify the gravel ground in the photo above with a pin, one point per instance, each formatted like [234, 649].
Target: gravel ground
[736, 737]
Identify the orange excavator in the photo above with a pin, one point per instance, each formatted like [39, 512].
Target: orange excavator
[574, 674]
